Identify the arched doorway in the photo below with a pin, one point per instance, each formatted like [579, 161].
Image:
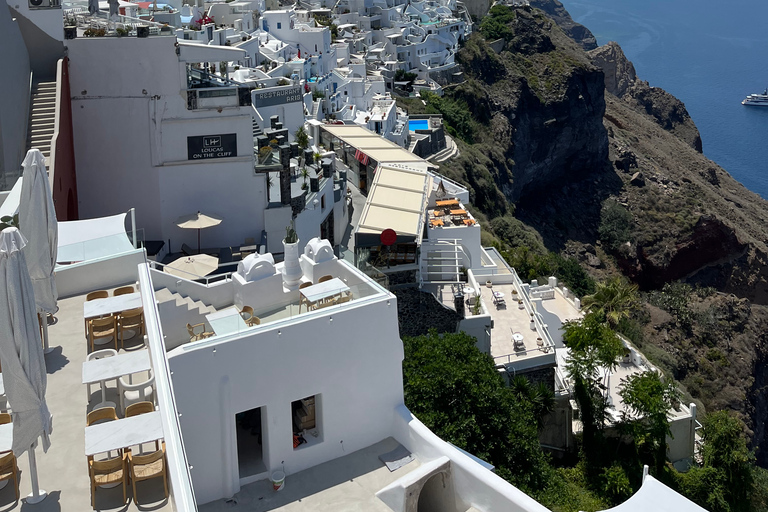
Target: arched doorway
[434, 496]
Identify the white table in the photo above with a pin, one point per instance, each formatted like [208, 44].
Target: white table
[324, 290]
[109, 368]
[100, 307]
[517, 339]
[6, 437]
[117, 434]
[226, 321]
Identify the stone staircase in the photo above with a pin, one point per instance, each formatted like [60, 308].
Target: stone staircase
[176, 311]
[41, 117]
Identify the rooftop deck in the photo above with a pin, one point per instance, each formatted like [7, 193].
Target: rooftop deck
[349, 483]
[63, 470]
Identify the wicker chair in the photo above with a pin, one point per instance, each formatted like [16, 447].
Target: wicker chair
[102, 328]
[108, 472]
[144, 467]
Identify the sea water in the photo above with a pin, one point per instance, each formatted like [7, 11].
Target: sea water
[709, 54]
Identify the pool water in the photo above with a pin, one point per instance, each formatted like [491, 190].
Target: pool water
[418, 124]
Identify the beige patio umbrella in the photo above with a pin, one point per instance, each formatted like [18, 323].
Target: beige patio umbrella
[197, 221]
[192, 267]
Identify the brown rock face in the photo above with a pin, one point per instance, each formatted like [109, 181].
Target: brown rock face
[619, 71]
[559, 15]
[621, 81]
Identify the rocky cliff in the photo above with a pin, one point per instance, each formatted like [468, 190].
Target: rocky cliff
[621, 81]
[579, 33]
[616, 178]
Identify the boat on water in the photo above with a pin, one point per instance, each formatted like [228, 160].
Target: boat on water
[759, 100]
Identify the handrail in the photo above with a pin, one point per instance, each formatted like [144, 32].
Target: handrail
[178, 465]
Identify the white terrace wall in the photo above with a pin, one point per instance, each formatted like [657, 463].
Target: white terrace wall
[350, 356]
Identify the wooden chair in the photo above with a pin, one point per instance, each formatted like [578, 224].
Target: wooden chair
[324, 279]
[139, 408]
[5, 418]
[99, 294]
[108, 472]
[124, 290]
[9, 469]
[248, 317]
[144, 467]
[132, 319]
[198, 332]
[101, 328]
[302, 299]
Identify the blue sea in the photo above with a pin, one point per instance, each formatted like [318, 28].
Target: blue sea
[709, 54]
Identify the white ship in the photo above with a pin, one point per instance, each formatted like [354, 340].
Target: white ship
[760, 100]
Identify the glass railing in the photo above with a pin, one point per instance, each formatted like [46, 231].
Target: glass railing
[98, 248]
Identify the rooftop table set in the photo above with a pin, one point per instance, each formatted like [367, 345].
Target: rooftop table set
[325, 293]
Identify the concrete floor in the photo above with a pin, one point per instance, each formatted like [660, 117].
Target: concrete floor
[349, 483]
[63, 471]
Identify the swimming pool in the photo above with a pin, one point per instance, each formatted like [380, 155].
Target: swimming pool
[418, 124]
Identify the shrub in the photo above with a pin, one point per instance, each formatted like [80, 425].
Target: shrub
[615, 225]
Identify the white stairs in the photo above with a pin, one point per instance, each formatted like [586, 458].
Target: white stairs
[441, 261]
[41, 117]
[176, 311]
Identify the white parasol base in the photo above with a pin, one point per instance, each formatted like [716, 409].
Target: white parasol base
[37, 495]
[33, 500]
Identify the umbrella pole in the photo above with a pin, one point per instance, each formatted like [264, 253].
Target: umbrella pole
[198, 240]
[38, 494]
[46, 348]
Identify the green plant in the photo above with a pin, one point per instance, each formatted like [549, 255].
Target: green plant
[9, 222]
[615, 225]
[122, 31]
[264, 153]
[476, 307]
[301, 137]
[95, 32]
[317, 95]
[283, 81]
[290, 235]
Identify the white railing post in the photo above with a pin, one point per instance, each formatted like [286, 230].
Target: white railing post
[133, 227]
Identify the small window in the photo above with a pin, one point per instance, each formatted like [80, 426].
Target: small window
[279, 25]
[322, 202]
[306, 422]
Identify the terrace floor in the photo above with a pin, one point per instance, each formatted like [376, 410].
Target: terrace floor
[508, 320]
[63, 471]
[349, 483]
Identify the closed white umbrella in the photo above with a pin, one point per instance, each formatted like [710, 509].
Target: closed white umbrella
[37, 221]
[24, 373]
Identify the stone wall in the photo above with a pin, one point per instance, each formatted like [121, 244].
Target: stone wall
[419, 312]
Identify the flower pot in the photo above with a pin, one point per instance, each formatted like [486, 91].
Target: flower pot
[291, 269]
[488, 284]
[70, 32]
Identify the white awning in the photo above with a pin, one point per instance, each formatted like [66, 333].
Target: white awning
[195, 52]
[654, 495]
[90, 239]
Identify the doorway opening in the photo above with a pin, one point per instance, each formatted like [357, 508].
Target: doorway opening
[250, 452]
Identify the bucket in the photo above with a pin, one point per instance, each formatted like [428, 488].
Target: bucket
[278, 480]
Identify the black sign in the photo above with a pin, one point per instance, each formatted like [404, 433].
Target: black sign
[201, 147]
[278, 96]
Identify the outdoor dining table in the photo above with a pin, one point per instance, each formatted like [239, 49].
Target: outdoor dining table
[458, 212]
[226, 321]
[110, 368]
[110, 305]
[447, 202]
[115, 435]
[324, 290]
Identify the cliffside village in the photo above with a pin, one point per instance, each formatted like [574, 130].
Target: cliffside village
[236, 193]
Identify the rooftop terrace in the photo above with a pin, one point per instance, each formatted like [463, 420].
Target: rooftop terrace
[63, 471]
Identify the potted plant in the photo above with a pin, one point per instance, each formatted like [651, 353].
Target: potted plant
[488, 284]
[70, 27]
[291, 268]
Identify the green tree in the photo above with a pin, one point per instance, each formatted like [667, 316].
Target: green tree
[613, 300]
[616, 224]
[648, 399]
[456, 391]
[725, 481]
[539, 396]
[594, 349]
[301, 138]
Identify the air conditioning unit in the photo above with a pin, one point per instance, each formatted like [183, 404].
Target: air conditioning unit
[45, 4]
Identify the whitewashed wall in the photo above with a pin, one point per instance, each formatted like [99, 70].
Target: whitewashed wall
[130, 127]
[351, 358]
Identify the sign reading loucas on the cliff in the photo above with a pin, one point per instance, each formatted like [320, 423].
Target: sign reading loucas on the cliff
[203, 147]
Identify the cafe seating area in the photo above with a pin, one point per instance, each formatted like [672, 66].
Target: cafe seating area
[449, 213]
[123, 438]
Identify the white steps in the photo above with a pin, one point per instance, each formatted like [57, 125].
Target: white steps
[176, 311]
[42, 117]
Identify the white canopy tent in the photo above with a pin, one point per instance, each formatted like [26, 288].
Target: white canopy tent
[84, 240]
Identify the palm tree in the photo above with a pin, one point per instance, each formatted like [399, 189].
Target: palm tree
[270, 182]
[305, 175]
[613, 300]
